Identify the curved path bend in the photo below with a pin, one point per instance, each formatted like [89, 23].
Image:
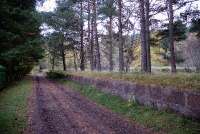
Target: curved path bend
[55, 109]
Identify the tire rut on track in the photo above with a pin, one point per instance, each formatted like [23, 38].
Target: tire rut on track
[55, 109]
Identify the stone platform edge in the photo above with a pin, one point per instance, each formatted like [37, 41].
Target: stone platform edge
[185, 103]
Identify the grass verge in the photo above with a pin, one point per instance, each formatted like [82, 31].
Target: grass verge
[182, 81]
[13, 107]
[151, 118]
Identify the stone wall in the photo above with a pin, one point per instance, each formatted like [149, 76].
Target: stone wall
[183, 102]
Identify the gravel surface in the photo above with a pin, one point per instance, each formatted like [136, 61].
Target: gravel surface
[55, 109]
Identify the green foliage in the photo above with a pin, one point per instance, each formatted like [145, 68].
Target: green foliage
[157, 120]
[19, 36]
[65, 22]
[195, 27]
[108, 9]
[55, 75]
[154, 40]
[179, 31]
[13, 107]
[2, 76]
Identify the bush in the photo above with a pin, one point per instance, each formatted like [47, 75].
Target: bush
[55, 75]
[165, 70]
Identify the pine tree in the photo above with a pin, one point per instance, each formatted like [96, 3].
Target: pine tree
[20, 37]
[108, 10]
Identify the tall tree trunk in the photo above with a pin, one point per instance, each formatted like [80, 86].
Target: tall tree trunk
[53, 62]
[95, 58]
[171, 38]
[111, 46]
[98, 56]
[92, 45]
[143, 37]
[82, 55]
[75, 64]
[89, 36]
[147, 25]
[121, 46]
[63, 56]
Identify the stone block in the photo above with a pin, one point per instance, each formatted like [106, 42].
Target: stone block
[155, 93]
[175, 97]
[193, 100]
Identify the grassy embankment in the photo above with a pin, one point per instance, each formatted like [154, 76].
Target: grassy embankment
[151, 118]
[182, 81]
[13, 107]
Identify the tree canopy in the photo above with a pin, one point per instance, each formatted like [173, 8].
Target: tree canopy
[195, 27]
[19, 36]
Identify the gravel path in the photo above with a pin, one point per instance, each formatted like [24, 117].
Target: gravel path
[55, 109]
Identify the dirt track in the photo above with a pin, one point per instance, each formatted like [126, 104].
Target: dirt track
[54, 109]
